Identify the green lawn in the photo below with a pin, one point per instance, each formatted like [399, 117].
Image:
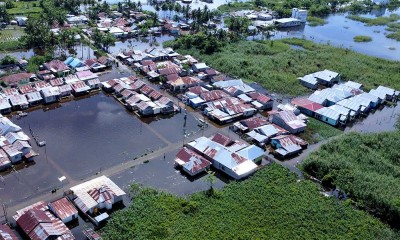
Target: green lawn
[367, 167]
[276, 66]
[25, 8]
[269, 205]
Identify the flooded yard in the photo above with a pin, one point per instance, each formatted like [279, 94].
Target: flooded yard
[380, 120]
[84, 137]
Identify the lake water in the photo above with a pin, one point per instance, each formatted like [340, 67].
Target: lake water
[340, 31]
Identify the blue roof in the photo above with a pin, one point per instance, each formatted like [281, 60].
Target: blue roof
[76, 63]
[251, 152]
[69, 59]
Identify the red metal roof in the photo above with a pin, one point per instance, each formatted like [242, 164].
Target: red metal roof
[56, 82]
[31, 219]
[57, 65]
[26, 89]
[197, 90]
[6, 233]
[213, 95]
[254, 122]
[168, 71]
[146, 90]
[221, 139]
[16, 78]
[155, 95]
[193, 162]
[63, 208]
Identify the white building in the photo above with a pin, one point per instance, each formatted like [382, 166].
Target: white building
[299, 14]
[96, 194]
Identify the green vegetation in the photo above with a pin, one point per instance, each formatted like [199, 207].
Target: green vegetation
[276, 66]
[9, 39]
[375, 21]
[25, 8]
[37, 60]
[316, 21]
[395, 29]
[390, 21]
[317, 131]
[366, 167]
[237, 6]
[361, 38]
[395, 35]
[269, 205]
[8, 59]
[11, 45]
[284, 8]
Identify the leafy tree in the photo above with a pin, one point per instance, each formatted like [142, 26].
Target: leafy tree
[4, 16]
[37, 34]
[9, 4]
[8, 59]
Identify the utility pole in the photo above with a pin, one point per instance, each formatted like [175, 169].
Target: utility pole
[5, 211]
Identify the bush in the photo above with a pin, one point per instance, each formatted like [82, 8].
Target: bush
[7, 60]
[366, 167]
[361, 38]
[269, 205]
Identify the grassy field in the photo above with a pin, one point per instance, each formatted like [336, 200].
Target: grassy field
[361, 38]
[367, 167]
[9, 38]
[269, 205]
[25, 8]
[276, 66]
[317, 131]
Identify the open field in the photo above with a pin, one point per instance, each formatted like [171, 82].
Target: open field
[366, 167]
[25, 8]
[9, 38]
[269, 205]
[276, 66]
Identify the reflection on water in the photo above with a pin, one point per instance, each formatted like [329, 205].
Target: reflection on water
[340, 31]
[141, 43]
[383, 119]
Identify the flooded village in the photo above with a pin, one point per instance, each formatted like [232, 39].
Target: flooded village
[76, 133]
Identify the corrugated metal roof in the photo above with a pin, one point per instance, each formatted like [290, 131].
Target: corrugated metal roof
[191, 161]
[63, 208]
[251, 152]
[329, 113]
[84, 200]
[6, 233]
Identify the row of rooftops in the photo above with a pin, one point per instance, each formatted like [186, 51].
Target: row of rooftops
[261, 131]
[137, 95]
[42, 91]
[234, 157]
[57, 68]
[14, 144]
[343, 102]
[43, 221]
